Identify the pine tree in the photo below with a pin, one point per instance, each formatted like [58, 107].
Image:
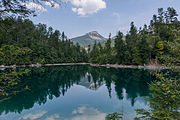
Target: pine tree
[120, 48]
[107, 47]
[143, 46]
[131, 40]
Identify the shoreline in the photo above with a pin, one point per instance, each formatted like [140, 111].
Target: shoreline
[2, 67]
[132, 66]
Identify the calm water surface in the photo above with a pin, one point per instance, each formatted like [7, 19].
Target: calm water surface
[77, 93]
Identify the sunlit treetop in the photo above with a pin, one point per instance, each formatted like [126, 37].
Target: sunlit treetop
[19, 7]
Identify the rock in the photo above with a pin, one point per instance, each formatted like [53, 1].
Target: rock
[13, 66]
[38, 65]
[2, 66]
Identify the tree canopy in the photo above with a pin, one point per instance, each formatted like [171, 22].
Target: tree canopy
[157, 43]
[22, 42]
[19, 8]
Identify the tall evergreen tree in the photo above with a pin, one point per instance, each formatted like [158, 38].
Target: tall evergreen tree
[120, 48]
[107, 47]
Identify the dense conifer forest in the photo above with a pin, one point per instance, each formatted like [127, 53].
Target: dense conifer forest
[158, 42]
[23, 42]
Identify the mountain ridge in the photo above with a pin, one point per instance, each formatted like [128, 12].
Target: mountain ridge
[88, 38]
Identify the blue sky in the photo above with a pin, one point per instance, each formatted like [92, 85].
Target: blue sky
[77, 17]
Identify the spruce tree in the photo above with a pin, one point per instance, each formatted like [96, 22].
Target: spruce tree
[120, 48]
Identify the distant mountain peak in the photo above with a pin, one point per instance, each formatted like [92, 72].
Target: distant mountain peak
[95, 35]
[93, 32]
[89, 38]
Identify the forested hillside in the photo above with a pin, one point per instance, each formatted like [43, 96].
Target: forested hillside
[22, 42]
[157, 43]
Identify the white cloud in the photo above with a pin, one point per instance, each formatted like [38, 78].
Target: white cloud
[85, 113]
[52, 117]
[52, 4]
[74, 9]
[35, 6]
[35, 116]
[84, 7]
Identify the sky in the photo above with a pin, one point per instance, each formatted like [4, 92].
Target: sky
[78, 17]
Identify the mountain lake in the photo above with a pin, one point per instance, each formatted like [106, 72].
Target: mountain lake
[78, 92]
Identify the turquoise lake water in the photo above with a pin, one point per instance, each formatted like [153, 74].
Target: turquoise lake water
[77, 93]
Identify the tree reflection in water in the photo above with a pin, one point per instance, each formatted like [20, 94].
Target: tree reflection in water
[50, 82]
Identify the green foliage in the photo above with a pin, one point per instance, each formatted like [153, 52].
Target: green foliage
[105, 59]
[157, 43]
[22, 42]
[120, 48]
[173, 55]
[165, 100]
[13, 7]
[131, 42]
[102, 55]
[107, 48]
[144, 47]
[159, 47]
[165, 91]
[10, 55]
[9, 80]
[18, 7]
[26, 43]
[94, 53]
[136, 57]
[114, 116]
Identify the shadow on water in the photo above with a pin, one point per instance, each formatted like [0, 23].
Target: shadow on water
[41, 84]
